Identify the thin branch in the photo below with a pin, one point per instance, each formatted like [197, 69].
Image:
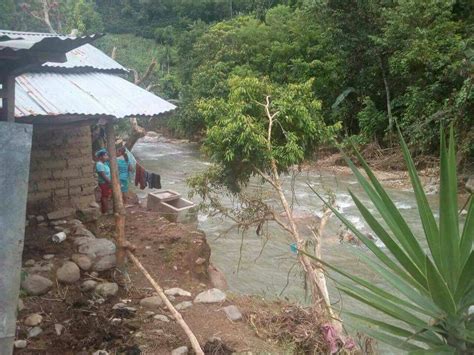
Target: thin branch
[147, 74]
[265, 177]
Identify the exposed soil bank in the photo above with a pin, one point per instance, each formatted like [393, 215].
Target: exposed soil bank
[176, 256]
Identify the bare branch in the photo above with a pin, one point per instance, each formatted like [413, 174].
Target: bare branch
[136, 77]
[147, 74]
[152, 86]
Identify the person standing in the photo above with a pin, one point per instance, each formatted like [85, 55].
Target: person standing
[104, 178]
[124, 168]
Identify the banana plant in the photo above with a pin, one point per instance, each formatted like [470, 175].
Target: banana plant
[429, 312]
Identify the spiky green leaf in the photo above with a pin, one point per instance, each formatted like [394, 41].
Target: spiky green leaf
[439, 289]
[426, 215]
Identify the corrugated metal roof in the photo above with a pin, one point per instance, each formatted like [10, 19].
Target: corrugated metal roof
[88, 57]
[87, 94]
[13, 41]
[84, 58]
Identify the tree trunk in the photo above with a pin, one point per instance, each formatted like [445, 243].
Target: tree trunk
[315, 277]
[387, 95]
[319, 292]
[136, 133]
[46, 18]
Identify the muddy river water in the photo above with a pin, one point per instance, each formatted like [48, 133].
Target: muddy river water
[262, 267]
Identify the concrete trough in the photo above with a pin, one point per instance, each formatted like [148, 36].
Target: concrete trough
[172, 206]
[155, 199]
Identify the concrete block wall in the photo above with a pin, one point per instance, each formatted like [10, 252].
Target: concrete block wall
[61, 169]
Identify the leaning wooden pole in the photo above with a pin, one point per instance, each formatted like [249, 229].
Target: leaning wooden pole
[119, 209]
[174, 312]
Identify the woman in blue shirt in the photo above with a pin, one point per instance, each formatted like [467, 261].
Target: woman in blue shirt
[124, 168]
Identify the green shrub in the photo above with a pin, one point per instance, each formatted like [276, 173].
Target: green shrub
[372, 122]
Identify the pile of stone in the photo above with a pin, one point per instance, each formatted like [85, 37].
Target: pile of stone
[93, 255]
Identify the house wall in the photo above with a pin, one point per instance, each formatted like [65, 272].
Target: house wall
[61, 169]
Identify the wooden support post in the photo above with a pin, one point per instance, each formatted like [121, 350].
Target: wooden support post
[119, 209]
[8, 99]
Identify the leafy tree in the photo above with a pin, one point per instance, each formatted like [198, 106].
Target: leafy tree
[60, 16]
[426, 56]
[82, 16]
[262, 130]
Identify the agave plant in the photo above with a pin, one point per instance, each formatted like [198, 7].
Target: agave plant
[429, 313]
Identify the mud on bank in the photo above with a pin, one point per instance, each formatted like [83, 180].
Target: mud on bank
[175, 255]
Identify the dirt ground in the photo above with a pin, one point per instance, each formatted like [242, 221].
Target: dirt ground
[169, 252]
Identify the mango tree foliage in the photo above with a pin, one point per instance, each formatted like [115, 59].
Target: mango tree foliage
[261, 129]
[237, 136]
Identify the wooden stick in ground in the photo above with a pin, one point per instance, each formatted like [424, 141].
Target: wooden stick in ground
[174, 312]
[119, 209]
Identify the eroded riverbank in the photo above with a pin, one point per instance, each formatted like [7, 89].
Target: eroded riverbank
[266, 266]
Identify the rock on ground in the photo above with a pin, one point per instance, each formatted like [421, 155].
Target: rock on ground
[61, 214]
[183, 305]
[182, 350]
[91, 214]
[106, 262]
[88, 285]
[232, 313]
[161, 317]
[107, 289]
[82, 231]
[97, 247]
[58, 328]
[83, 261]
[213, 295]
[21, 305]
[33, 320]
[151, 302]
[176, 291]
[80, 241]
[34, 332]
[20, 344]
[36, 285]
[119, 305]
[217, 278]
[68, 273]
[29, 263]
[200, 261]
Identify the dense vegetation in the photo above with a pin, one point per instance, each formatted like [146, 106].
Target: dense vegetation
[372, 63]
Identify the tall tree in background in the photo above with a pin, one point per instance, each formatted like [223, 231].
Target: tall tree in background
[62, 16]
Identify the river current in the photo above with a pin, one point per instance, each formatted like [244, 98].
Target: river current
[255, 265]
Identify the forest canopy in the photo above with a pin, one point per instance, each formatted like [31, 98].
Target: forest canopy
[372, 64]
